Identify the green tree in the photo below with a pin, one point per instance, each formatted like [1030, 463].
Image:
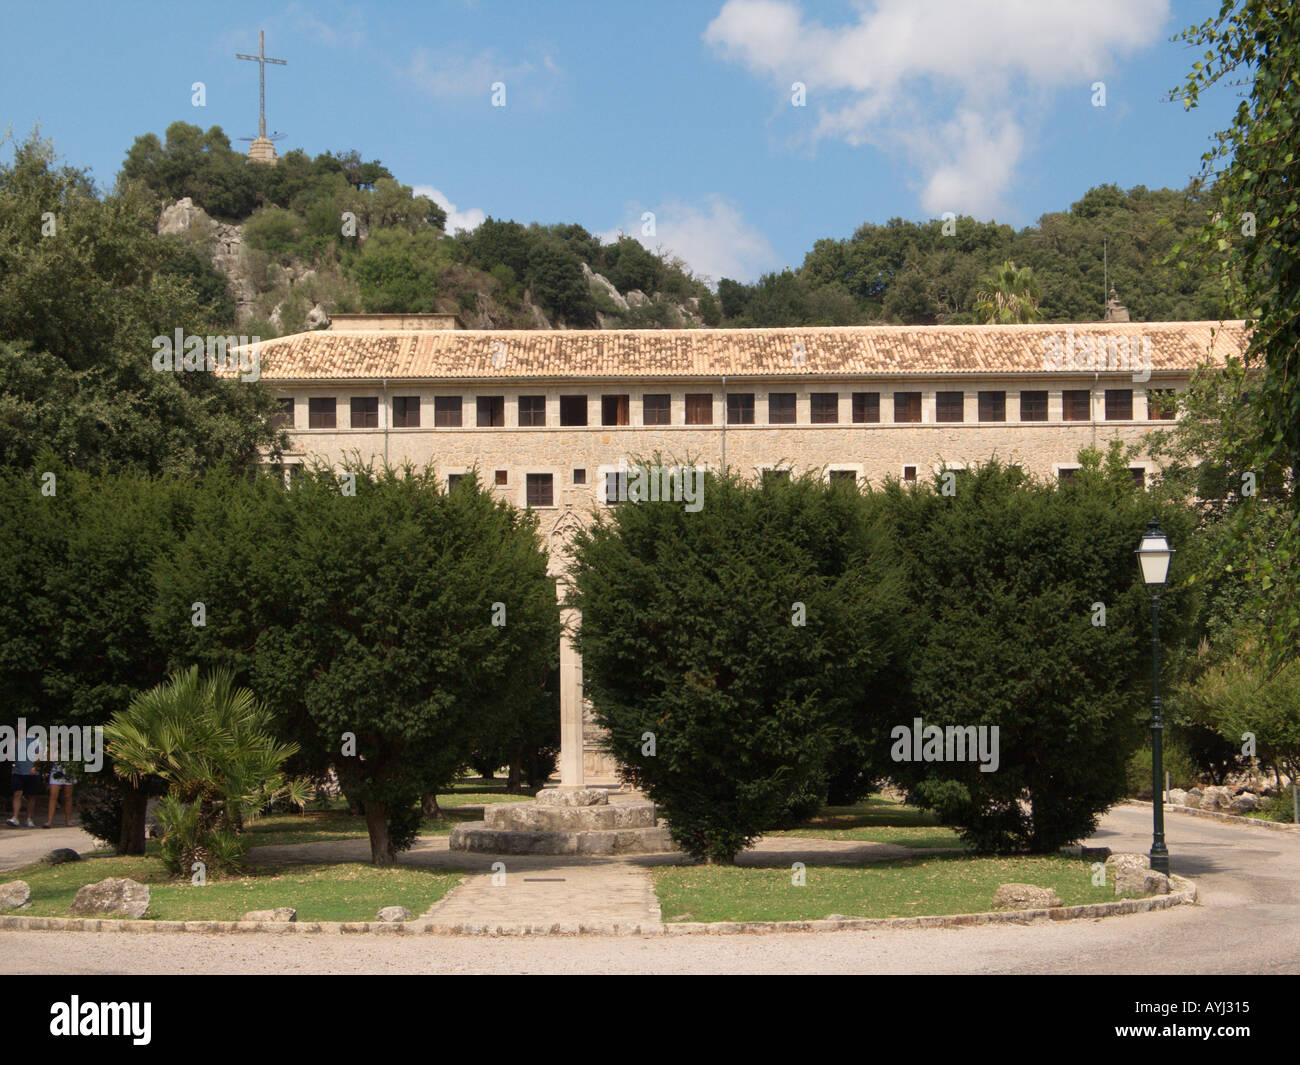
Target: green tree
[1009, 295]
[746, 640]
[398, 271]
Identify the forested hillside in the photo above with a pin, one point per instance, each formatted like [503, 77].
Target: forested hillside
[338, 233]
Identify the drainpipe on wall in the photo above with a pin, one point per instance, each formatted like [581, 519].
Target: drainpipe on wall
[387, 418]
[1092, 407]
[724, 423]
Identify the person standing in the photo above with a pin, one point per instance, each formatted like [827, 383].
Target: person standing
[60, 785]
[27, 782]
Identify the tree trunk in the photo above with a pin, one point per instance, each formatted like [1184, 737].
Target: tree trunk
[429, 804]
[513, 785]
[135, 803]
[381, 847]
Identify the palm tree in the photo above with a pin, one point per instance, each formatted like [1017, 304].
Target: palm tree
[1009, 296]
[213, 746]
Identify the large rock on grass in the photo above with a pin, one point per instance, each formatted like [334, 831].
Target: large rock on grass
[15, 894]
[1025, 897]
[280, 915]
[1141, 883]
[116, 895]
[60, 855]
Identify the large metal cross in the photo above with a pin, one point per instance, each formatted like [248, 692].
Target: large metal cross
[261, 59]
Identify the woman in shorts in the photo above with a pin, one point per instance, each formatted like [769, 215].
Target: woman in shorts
[60, 784]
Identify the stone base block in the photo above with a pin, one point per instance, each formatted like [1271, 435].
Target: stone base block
[537, 817]
[573, 797]
[477, 836]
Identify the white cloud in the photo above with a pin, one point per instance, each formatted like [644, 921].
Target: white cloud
[457, 219]
[711, 237]
[987, 66]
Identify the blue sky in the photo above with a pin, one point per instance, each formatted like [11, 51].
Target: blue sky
[683, 109]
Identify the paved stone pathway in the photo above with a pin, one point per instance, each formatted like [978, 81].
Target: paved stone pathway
[22, 846]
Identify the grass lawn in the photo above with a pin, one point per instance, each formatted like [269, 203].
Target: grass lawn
[877, 820]
[351, 891]
[909, 887]
[334, 822]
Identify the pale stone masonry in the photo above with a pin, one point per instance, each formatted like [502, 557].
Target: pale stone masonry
[418, 389]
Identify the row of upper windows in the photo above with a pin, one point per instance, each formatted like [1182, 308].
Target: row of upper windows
[656, 409]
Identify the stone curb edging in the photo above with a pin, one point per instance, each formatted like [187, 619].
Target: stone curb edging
[1214, 815]
[1184, 895]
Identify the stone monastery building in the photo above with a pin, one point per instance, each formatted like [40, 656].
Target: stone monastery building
[545, 415]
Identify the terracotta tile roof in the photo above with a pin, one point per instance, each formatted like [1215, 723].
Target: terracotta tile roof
[683, 353]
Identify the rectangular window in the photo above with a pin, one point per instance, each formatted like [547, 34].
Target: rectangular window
[825, 408]
[1033, 406]
[993, 406]
[613, 410]
[532, 410]
[540, 490]
[491, 412]
[949, 406]
[406, 412]
[1076, 405]
[501, 477]
[615, 487]
[699, 408]
[866, 406]
[365, 412]
[780, 408]
[907, 406]
[844, 476]
[573, 410]
[320, 413]
[1162, 404]
[656, 409]
[740, 408]
[1066, 476]
[283, 418]
[1119, 404]
[1139, 476]
[453, 479]
[579, 476]
[446, 411]
[777, 476]
[909, 474]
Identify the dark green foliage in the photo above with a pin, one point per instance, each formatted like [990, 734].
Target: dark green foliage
[688, 634]
[398, 271]
[1004, 575]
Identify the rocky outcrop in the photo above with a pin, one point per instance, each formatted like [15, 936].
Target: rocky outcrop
[226, 243]
[116, 895]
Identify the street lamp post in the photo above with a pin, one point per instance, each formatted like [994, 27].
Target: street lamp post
[1154, 554]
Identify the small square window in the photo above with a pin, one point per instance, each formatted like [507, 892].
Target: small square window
[781, 408]
[453, 479]
[283, 417]
[613, 410]
[993, 406]
[825, 408]
[501, 477]
[1065, 475]
[656, 409]
[406, 412]
[1139, 476]
[909, 474]
[365, 412]
[1162, 404]
[1119, 404]
[907, 407]
[866, 407]
[532, 410]
[579, 476]
[775, 476]
[1033, 406]
[740, 408]
[491, 412]
[699, 408]
[446, 412]
[539, 490]
[1076, 405]
[573, 410]
[949, 406]
[843, 477]
[320, 413]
